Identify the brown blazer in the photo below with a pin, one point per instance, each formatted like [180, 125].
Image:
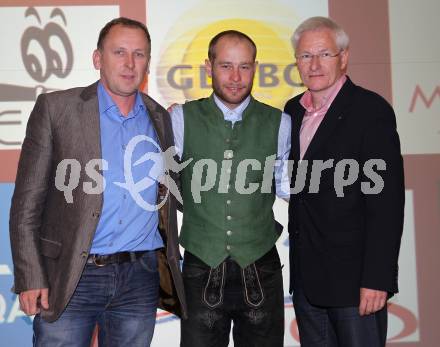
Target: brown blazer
[50, 238]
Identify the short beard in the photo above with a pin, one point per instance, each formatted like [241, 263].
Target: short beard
[218, 92]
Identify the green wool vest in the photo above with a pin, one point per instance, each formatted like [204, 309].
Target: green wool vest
[225, 213]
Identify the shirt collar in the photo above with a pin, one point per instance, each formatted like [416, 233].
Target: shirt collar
[106, 102]
[238, 111]
[306, 99]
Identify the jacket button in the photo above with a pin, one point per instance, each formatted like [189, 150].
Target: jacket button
[95, 214]
[84, 254]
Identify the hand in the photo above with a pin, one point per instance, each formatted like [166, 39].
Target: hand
[29, 300]
[371, 301]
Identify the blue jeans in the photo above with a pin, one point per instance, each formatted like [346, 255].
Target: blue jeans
[250, 298]
[337, 326]
[121, 298]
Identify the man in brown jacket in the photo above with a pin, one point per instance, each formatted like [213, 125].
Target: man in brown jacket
[90, 244]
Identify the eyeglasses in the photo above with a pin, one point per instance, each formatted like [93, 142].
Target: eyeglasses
[325, 56]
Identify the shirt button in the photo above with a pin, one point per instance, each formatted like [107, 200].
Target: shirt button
[229, 233]
[120, 221]
[228, 248]
[228, 202]
[228, 217]
[124, 146]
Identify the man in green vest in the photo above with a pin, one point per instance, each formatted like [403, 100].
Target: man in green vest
[234, 146]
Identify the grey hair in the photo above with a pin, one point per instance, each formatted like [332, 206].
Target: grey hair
[319, 23]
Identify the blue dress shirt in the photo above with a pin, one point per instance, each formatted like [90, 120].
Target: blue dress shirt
[124, 225]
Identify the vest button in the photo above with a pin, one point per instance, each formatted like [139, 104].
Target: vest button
[228, 202]
[229, 233]
[228, 217]
[228, 154]
[227, 140]
[228, 248]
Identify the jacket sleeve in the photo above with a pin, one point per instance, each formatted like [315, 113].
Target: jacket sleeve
[28, 200]
[384, 209]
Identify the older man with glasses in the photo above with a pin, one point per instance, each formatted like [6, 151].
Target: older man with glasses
[343, 247]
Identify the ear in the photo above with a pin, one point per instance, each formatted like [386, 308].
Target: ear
[97, 59]
[147, 69]
[344, 59]
[208, 67]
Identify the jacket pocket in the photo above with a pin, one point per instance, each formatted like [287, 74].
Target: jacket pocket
[50, 248]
